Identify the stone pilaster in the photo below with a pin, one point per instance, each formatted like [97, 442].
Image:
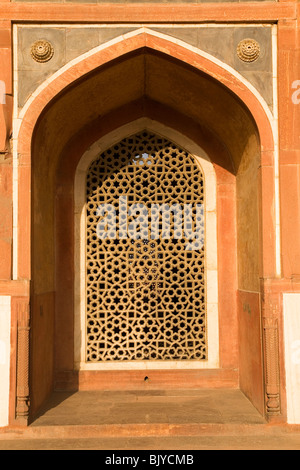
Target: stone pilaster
[23, 330]
[271, 365]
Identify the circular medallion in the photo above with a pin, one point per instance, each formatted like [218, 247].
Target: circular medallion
[248, 50]
[42, 51]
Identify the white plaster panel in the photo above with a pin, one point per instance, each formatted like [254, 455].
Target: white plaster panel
[5, 313]
[291, 314]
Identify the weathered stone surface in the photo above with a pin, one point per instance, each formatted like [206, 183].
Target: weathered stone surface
[80, 40]
[71, 42]
[186, 34]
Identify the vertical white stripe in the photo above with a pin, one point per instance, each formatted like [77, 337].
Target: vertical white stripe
[16, 125]
[291, 316]
[276, 153]
[5, 314]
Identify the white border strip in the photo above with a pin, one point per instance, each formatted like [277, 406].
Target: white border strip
[276, 152]
[291, 324]
[15, 185]
[5, 323]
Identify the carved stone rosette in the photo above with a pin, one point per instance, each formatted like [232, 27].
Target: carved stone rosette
[42, 51]
[248, 50]
[271, 357]
[23, 329]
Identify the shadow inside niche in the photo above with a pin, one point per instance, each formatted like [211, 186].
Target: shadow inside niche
[53, 402]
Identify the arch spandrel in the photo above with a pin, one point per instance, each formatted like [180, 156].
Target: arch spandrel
[137, 43]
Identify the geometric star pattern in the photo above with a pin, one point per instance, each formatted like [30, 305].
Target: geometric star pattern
[145, 288]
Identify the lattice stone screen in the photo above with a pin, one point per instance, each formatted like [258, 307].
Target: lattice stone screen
[145, 278]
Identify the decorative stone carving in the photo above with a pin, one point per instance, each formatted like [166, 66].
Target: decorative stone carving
[22, 399]
[248, 50]
[271, 353]
[42, 51]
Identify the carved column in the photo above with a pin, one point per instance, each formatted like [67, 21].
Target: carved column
[23, 329]
[271, 359]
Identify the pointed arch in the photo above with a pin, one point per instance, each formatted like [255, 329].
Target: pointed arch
[37, 153]
[143, 38]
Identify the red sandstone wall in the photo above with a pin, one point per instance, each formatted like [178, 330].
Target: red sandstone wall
[289, 150]
[289, 143]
